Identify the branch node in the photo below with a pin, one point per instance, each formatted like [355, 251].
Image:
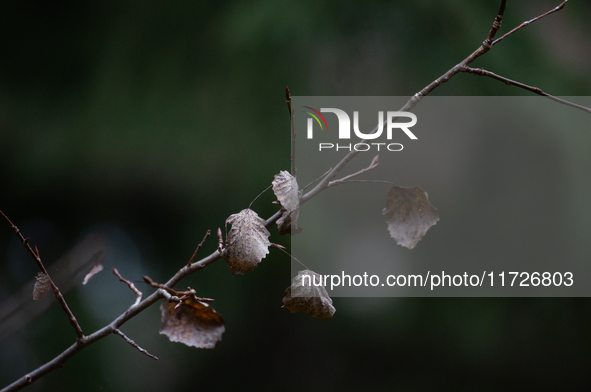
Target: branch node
[374, 163]
[130, 285]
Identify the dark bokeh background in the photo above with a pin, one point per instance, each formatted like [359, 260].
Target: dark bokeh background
[150, 122]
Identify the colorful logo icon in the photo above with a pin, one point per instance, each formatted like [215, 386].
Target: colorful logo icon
[316, 117]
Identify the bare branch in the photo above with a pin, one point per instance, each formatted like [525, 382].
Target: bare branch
[130, 313]
[497, 22]
[60, 360]
[131, 286]
[527, 22]
[372, 165]
[536, 90]
[165, 290]
[288, 99]
[199, 247]
[484, 47]
[294, 132]
[134, 344]
[56, 291]
[220, 241]
[271, 221]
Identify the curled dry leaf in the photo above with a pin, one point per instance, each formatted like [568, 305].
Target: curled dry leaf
[194, 323]
[247, 242]
[95, 270]
[409, 215]
[42, 286]
[304, 296]
[287, 191]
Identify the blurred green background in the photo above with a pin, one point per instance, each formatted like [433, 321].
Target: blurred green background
[151, 122]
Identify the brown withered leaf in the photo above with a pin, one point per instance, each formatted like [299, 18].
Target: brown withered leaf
[42, 286]
[409, 215]
[304, 296]
[287, 191]
[95, 270]
[247, 242]
[194, 323]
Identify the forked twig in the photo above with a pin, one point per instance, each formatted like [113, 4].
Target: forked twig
[527, 22]
[56, 291]
[199, 247]
[131, 286]
[482, 49]
[189, 293]
[460, 67]
[372, 165]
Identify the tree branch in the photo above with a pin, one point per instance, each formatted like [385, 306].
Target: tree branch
[294, 132]
[56, 291]
[134, 344]
[372, 165]
[527, 22]
[482, 49]
[535, 90]
[199, 247]
[460, 67]
[328, 180]
[131, 312]
[131, 286]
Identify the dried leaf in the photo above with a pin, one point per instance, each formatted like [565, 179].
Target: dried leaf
[42, 286]
[409, 215]
[287, 191]
[304, 296]
[247, 242]
[194, 323]
[95, 270]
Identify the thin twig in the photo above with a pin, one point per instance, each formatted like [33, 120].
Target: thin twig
[294, 132]
[282, 248]
[259, 195]
[134, 344]
[131, 286]
[535, 90]
[172, 291]
[288, 99]
[372, 165]
[322, 176]
[56, 290]
[527, 22]
[220, 242]
[178, 293]
[371, 181]
[199, 247]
